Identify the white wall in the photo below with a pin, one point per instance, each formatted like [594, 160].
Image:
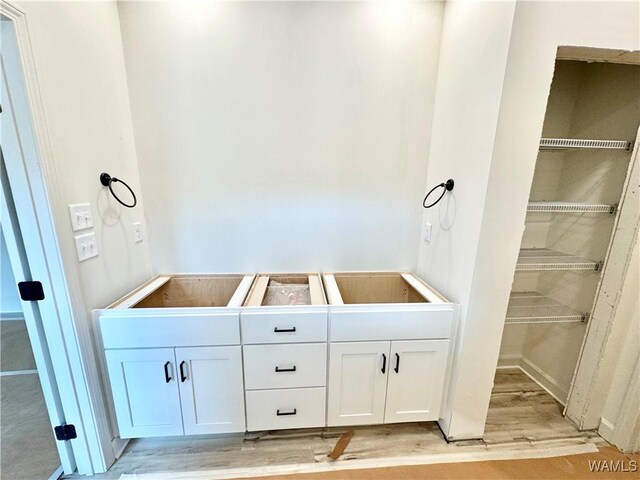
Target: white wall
[78, 54]
[9, 299]
[285, 136]
[488, 228]
[472, 65]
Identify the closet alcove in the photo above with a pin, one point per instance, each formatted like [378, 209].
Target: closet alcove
[582, 168]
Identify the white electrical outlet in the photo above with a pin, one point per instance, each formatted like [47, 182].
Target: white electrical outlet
[427, 232]
[137, 232]
[86, 246]
[81, 217]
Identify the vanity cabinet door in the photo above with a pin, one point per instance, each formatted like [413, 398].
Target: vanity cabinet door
[416, 380]
[357, 383]
[144, 384]
[211, 389]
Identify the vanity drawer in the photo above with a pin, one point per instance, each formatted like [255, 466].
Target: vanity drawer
[287, 408]
[285, 366]
[283, 327]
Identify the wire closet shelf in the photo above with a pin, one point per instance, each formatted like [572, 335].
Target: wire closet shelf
[535, 259]
[564, 143]
[534, 308]
[570, 207]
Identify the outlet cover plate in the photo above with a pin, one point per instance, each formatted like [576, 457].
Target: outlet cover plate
[138, 235]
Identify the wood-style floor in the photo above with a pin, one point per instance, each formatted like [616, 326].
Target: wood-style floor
[27, 447]
[522, 417]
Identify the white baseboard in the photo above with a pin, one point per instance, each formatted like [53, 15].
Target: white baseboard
[11, 316]
[606, 428]
[509, 361]
[57, 474]
[118, 445]
[536, 374]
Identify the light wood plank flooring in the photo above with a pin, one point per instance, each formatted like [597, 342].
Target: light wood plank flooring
[521, 416]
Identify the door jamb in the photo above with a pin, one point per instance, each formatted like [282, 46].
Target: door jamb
[591, 381]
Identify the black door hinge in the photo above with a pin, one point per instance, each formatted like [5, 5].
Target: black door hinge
[65, 432]
[31, 291]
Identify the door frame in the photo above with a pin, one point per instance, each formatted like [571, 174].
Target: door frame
[32, 175]
[592, 376]
[33, 320]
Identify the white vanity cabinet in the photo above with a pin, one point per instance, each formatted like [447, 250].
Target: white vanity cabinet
[173, 357]
[209, 354]
[388, 348]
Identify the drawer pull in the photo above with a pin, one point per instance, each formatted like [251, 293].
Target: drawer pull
[397, 367]
[284, 330]
[384, 363]
[282, 414]
[167, 378]
[279, 370]
[183, 377]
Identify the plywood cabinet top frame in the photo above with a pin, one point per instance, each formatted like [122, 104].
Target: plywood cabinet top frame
[133, 301]
[383, 285]
[255, 297]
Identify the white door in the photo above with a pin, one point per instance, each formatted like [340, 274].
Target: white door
[357, 382]
[211, 389]
[144, 383]
[416, 380]
[32, 312]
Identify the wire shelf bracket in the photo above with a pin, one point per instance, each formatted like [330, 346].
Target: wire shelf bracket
[564, 143]
[538, 259]
[534, 308]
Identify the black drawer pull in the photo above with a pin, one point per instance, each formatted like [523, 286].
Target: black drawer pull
[397, 367]
[284, 330]
[384, 363]
[292, 369]
[167, 378]
[183, 377]
[282, 414]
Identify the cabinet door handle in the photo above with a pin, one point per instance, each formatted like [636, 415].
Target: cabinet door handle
[183, 377]
[292, 369]
[384, 363]
[284, 330]
[282, 414]
[167, 378]
[397, 367]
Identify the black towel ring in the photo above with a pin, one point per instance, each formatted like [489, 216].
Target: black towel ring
[447, 187]
[107, 180]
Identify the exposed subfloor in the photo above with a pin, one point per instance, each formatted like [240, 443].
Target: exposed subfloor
[522, 416]
[27, 447]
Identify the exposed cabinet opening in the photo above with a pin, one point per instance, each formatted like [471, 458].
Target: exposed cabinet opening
[591, 121]
[286, 289]
[193, 291]
[360, 288]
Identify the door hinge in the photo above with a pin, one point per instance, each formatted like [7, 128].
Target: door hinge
[31, 291]
[65, 432]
